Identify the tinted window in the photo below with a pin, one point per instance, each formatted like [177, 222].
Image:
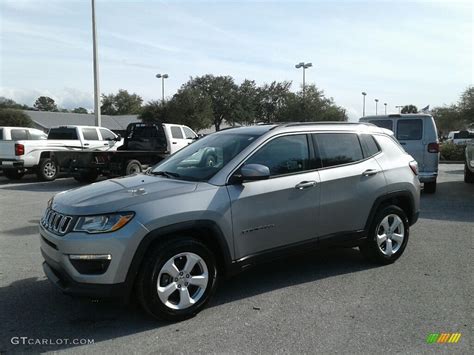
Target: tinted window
[62, 133]
[284, 155]
[409, 130]
[19, 134]
[37, 135]
[90, 134]
[388, 124]
[176, 132]
[1, 134]
[106, 134]
[370, 146]
[188, 133]
[338, 148]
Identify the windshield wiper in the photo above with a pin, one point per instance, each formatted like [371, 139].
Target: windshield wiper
[167, 174]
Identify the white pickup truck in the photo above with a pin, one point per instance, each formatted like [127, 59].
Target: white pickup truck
[27, 149]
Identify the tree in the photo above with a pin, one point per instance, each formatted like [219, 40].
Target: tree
[14, 118]
[271, 99]
[466, 105]
[410, 109]
[121, 103]
[190, 107]
[310, 106]
[45, 103]
[9, 103]
[222, 91]
[447, 118]
[80, 110]
[248, 103]
[154, 111]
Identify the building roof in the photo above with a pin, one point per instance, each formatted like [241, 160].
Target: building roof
[45, 120]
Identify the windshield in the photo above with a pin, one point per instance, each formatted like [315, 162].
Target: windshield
[203, 159]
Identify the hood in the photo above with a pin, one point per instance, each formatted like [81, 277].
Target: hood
[118, 194]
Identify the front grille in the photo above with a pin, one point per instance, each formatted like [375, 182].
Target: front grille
[56, 222]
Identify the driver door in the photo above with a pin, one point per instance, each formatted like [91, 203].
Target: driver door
[282, 210]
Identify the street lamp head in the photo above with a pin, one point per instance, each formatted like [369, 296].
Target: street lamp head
[158, 76]
[299, 65]
[165, 76]
[376, 100]
[364, 93]
[385, 103]
[307, 65]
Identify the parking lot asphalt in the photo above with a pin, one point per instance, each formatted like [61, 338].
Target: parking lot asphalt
[331, 301]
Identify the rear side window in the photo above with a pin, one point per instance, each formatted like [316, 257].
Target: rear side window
[188, 133]
[369, 145]
[19, 134]
[338, 148]
[1, 134]
[409, 130]
[37, 135]
[90, 134]
[63, 134]
[106, 134]
[176, 132]
[388, 124]
[283, 155]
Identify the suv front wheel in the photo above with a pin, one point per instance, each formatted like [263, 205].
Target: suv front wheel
[388, 236]
[177, 279]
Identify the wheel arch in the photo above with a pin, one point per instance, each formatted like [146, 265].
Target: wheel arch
[205, 231]
[402, 199]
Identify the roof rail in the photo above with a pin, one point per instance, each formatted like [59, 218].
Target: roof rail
[291, 124]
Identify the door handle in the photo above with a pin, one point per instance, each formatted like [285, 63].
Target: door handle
[370, 172]
[86, 144]
[175, 142]
[305, 184]
[106, 144]
[403, 143]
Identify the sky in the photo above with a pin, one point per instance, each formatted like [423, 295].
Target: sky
[400, 52]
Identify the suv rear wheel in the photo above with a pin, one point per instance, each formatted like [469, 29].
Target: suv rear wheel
[177, 279]
[388, 236]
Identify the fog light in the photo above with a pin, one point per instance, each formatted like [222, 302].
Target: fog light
[91, 264]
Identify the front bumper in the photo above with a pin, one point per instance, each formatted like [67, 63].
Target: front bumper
[59, 269]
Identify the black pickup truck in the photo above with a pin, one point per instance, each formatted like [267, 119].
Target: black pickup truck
[144, 145]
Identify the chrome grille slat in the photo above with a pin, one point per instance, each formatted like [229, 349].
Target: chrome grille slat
[56, 222]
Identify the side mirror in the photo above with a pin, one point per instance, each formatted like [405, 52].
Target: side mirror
[254, 172]
[118, 138]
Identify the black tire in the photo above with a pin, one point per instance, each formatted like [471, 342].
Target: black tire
[87, 177]
[429, 187]
[48, 170]
[133, 167]
[13, 174]
[146, 286]
[468, 175]
[371, 250]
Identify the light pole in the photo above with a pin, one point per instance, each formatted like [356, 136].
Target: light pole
[363, 103]
[98, 120]
[376, 105]
[163, 77]
[399, 108]
[304, 66]
[385, 104]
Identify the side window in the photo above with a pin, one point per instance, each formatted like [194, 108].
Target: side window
[409, 130]
[188, 133]
[1, 134]
[19, 134]
[369, 144]
[283, 155]
[90, 134]
[338, 148]
[176, 132]
[63, 133]
[388, 124]
[35, 135]
[106, 134]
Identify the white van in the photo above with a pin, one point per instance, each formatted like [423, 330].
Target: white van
[418, 135]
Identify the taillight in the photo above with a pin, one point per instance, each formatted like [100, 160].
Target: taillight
[414, 167]
[433, 148]
[19, 149]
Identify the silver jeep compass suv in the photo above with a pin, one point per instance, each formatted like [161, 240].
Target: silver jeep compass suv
[226, 202]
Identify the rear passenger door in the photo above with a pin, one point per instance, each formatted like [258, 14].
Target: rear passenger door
[351, 180]
[178, 140]
[91, 139]
[410, 135]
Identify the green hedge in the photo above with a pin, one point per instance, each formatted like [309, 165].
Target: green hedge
[452, 152]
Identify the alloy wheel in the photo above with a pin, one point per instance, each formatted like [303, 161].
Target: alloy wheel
[390, 234]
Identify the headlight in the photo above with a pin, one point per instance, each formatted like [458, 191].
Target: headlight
[103, 223]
